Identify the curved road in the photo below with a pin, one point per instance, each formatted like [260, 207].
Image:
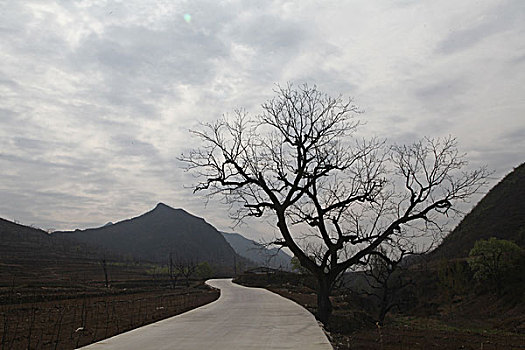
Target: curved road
[242, 318]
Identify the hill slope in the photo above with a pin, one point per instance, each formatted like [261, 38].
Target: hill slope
[27, 243]
[157, 233]
[501, 214]
[29, 254]
[257, 253]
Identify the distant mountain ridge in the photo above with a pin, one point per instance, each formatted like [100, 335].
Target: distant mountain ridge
[500, 214]
[154, 235]
[257, 253]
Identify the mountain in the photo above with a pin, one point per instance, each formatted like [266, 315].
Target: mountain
[257, 253]
[500, 214]
[154, 235]
[13, 232]
[29, 254]
[27, 243]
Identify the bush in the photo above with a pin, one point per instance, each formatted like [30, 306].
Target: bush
[493, 260]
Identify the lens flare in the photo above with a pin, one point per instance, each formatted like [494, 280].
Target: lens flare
[187, 18]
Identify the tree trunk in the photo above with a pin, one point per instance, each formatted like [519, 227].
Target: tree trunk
[382, 315]
[324, 305]
[384, 305]
[105, 268]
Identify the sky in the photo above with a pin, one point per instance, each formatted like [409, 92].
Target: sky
[97, 97]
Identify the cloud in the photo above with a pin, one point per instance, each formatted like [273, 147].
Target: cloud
[98, 97]
[7, 116]
[129, 146]
[514, 136]
[502, 17]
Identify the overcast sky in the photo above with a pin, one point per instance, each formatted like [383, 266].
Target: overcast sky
[97, 97]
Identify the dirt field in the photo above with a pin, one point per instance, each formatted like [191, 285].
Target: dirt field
[390, 338]
[74, 322]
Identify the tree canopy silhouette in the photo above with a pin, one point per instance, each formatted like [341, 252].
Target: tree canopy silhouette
[336, 197]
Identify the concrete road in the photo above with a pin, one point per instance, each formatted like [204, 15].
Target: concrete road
[242, 318]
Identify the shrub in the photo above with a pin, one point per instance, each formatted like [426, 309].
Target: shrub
[491, 260]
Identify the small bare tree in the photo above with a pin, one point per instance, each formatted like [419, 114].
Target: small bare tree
[104, 265]
[335, 198]
[186, 268]
[386, 280]
[173, 273]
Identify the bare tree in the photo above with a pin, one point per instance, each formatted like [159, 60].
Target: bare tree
[386, 280]
[104, 265]
[186, 268]
[173, 273]
[336, 198]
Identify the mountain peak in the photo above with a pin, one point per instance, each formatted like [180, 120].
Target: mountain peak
[160, 232]
[166, 209]
[162, 206]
